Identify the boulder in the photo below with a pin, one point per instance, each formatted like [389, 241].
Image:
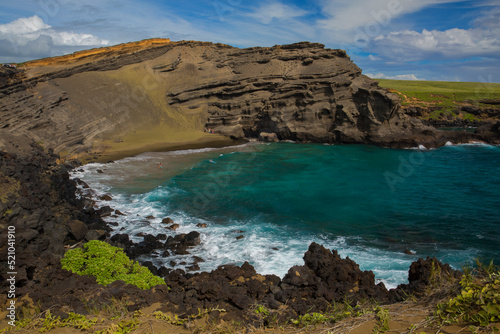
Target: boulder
[167, 221]
[105, 197]
[95, 235]
[78, 229]
[326, 275]
[192, 239]
[173, 227]
[105, 211]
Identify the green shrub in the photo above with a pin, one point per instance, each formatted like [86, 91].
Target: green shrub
[108, 264]
[478, 302]
[383, 319]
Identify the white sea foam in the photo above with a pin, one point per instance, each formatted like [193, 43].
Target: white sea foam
[270, 248]
[473, 144]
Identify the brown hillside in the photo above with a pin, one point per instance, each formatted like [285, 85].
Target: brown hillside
[157, 94]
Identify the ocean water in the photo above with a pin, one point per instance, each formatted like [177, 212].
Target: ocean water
[372, 204]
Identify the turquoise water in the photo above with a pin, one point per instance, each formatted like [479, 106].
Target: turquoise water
[371, 204]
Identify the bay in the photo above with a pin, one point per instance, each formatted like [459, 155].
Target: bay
[384, 208]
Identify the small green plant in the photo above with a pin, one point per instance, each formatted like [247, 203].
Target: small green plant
[50, 322]
[478, 303]
[312, 319]
[79, 321]
[335, 313]
[175, 320]
[108, 264]
[123, 327]
[383, 319]
[435, 273]
[261, 310]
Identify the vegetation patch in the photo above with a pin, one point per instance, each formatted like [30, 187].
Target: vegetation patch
[443, 90]
[383, 320]
[478, 304]
[108, 264]
[445, 98]
[8, 187]
[336, 313]
[49, 322]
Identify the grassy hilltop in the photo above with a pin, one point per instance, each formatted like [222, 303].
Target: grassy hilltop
[448, 100]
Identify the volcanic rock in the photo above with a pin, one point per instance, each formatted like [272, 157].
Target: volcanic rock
[167, 221]
[78, 229]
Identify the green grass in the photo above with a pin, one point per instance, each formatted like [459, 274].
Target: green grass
[443, 92]
[447, 98]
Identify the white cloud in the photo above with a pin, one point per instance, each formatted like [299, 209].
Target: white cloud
[266, 13]
[367, 18]
[24, 26]
[449, 44]
[393, 77]
[29, 38]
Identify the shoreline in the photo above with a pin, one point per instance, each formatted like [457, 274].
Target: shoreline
[236, 289]
[157, 217]
[209, 141]
[220, 141]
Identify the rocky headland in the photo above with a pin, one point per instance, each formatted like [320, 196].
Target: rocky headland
[158, 94]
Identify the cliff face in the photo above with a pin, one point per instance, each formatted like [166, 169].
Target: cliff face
[300, 92]
[158, 91]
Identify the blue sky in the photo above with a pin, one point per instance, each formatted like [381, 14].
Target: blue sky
[407, 39]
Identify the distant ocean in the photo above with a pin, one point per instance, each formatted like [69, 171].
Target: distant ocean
[384, 208]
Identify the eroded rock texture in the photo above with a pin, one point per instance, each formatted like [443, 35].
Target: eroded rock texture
[300, 92]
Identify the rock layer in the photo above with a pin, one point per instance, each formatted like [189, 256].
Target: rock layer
[301, 92]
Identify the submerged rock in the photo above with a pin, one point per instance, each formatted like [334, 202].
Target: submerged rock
[167, 221]
[173, 227]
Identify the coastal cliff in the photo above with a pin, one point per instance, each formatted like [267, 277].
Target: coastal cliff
[156, 92]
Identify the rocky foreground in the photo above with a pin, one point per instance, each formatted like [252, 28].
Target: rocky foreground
[38, 199]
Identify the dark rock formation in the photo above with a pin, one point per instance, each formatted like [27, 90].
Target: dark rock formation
[427, 274]
[490, 131]
[38, 199]
[326, 278]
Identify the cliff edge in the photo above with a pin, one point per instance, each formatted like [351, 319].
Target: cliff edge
[151, 93]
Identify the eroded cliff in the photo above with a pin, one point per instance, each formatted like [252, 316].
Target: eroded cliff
[146, 94]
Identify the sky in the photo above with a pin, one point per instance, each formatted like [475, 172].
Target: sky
[394, 39]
